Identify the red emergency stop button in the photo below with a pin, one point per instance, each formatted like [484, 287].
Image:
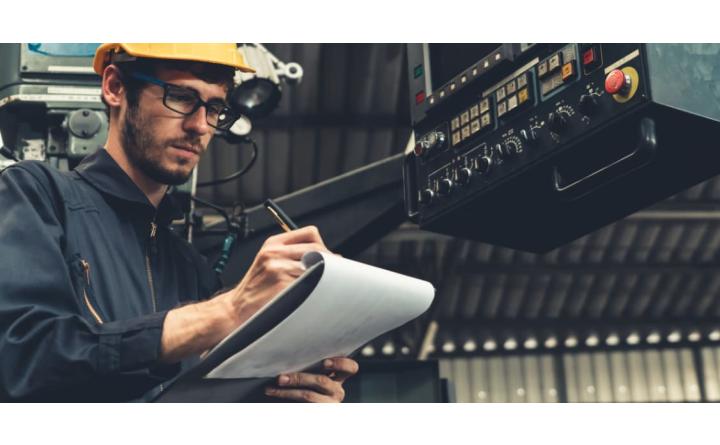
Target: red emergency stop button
[617, 82]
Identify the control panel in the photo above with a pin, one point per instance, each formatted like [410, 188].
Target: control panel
[543, 101]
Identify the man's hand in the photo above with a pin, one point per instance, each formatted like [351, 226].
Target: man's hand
[318, 388]
[276, 265]
[192, 329]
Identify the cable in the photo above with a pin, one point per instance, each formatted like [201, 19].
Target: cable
[215, 207]
[8, 153]
[235, 230]
[238, 173]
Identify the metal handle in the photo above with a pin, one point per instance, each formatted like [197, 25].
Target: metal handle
[642, 152]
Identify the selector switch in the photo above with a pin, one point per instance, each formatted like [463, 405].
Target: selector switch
[483, 164]
[558, 121]
[588, 104]
[510, 149]
[529, 136]
[445, 187]
[426, 196]
[464, 175]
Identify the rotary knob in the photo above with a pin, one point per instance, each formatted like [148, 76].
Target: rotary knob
[445, 186]
[512, 149]
[500, 150]
[558, 121]
[588, 104]
[426, 196]
[529, 136]
[483, 164]
[464, 175]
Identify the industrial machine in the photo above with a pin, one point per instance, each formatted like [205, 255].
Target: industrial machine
[531, 146]
[50, 106]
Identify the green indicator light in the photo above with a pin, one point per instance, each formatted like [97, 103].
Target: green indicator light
[418, 71]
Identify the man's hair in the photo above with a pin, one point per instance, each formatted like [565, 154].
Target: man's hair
[209, 72]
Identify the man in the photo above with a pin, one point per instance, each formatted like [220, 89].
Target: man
[99, 299]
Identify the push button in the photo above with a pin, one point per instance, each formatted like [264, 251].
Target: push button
[591, 58]
[617, 82]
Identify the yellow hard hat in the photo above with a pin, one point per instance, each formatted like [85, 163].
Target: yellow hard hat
[220, 53]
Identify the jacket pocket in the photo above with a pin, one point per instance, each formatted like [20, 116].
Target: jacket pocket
[88, 302]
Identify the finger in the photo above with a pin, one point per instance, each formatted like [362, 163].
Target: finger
[341, 368]
[300, 395]
[307, 234]
[296, 251]
[278, 268]
[317, 382]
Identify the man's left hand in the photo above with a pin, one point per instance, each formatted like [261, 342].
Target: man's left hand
[317, 388]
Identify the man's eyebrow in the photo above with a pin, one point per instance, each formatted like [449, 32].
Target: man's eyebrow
[210, 100]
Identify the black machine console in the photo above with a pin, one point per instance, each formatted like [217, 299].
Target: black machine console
[533, 145]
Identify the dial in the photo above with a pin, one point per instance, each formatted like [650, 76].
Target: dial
[558, 121]
[426, 196]
[464, 175]
[445, 186]
[483, 164]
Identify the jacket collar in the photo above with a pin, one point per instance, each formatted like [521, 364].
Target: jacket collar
[103, 173]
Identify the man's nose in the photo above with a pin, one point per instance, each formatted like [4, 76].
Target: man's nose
[197, 122]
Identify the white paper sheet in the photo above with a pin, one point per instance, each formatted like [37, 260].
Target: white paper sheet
[351, 304]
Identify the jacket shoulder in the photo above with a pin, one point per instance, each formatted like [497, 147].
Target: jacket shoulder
[37, 170]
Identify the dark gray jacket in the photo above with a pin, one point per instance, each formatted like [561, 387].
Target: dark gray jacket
[88, 270]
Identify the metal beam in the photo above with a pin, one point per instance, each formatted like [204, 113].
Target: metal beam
[352, 211]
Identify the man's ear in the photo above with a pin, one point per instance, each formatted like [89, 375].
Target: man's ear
[113, 90]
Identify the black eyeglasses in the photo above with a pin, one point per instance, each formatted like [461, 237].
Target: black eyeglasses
[186, 102]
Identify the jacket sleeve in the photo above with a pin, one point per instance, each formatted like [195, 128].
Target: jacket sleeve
[48, 349]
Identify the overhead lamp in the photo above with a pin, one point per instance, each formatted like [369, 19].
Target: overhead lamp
[633, 338]
[674, 337]
[714, 335]
[388, 348]
[612, 340]
[654, 338]
[510, 344]
[592, 341]
[469, 345]
[571, 341]
[530, 343]
[551, 342]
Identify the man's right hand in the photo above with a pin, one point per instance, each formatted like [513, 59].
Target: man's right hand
[276, 265]
[196, 328]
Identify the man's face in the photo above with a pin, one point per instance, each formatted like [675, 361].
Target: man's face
[163, 144]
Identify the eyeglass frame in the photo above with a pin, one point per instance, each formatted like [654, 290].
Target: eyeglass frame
[199, 102]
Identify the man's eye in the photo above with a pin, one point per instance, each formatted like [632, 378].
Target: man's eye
[215, 110]
[183, 98]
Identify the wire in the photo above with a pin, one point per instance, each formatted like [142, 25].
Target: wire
[215, 207]
[238, 173]
[8, 153]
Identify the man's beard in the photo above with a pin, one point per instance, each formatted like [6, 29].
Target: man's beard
[138, 142]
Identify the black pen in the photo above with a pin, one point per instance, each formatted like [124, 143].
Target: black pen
[285, 222]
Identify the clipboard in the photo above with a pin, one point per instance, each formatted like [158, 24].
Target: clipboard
[333, 309]
[192, 386]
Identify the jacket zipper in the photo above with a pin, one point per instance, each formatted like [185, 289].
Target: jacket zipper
[86, 268]
[153, 233]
